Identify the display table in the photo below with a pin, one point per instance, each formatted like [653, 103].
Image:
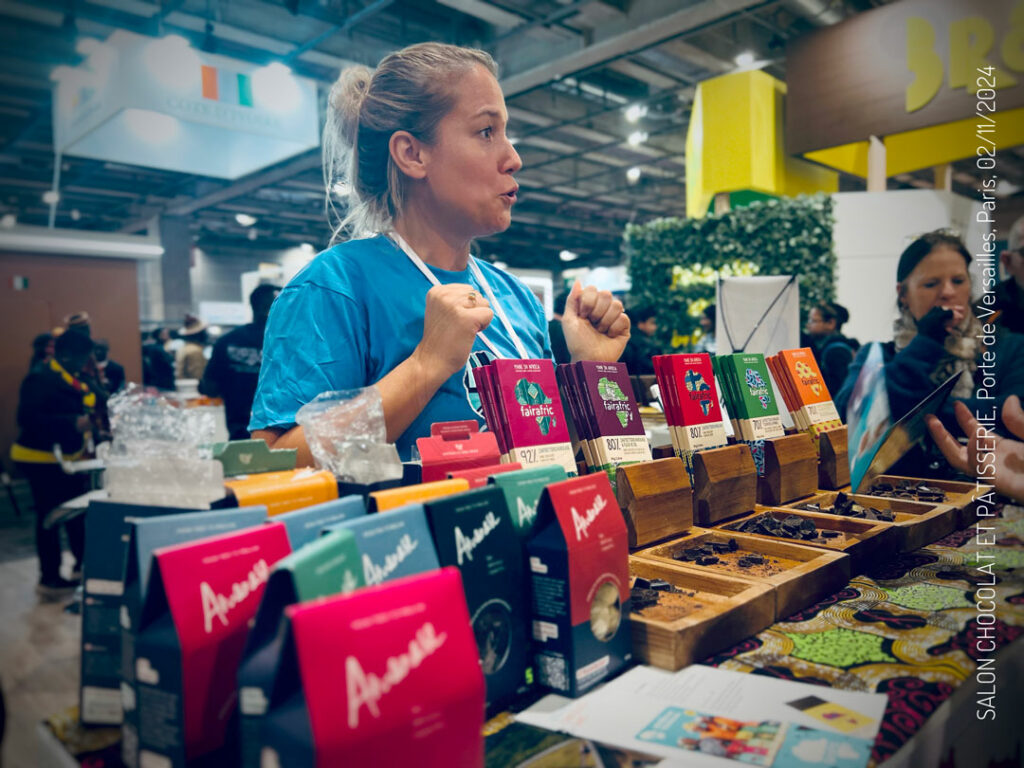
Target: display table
[908, 629]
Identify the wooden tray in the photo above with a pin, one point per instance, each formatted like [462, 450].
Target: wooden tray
[800, 575]
[863, 540]
[727, 610]
[963, 496]
[917, 523]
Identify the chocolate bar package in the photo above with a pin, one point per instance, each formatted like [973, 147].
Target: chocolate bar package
[384, 676]
[528, 398]
[455, 445]
[392, 544]
[106, 548]
[284, 491]
[145, 536]
[815, 413]
[522, 491]
[473, 532]
[192, 629]
[381, 501]
[579, 574]
[617, 435]
[305, 525]
[478, 476]
[328, 566]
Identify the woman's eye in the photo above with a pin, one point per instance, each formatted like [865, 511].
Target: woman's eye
[487, 132]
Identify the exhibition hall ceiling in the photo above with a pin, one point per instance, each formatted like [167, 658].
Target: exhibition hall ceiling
[595, 90]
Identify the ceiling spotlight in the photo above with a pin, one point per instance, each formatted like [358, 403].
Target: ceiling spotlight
[341, 188]
[568, 256]
[307, 248]
[75, 214]
[635, 112]
[636, 138]
[252, 234]
[8, 220]
[51, 197]
[245, 220]
[745, 59]
[633, 174]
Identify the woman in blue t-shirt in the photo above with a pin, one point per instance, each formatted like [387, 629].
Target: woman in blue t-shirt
[421, 145]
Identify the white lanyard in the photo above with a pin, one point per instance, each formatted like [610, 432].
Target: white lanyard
[475, 270]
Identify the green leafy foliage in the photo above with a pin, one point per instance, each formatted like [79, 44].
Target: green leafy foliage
[672, 262]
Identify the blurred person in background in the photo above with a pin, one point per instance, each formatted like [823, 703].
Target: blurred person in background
[42, 349]
[833, 351]
[190, 361]
[706, 343]
[643, 344]
[111, 371]
[234, 368]
[55, 408]
[157, 362]
[1010, 293]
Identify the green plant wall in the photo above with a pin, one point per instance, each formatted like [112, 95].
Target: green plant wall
[674, 263]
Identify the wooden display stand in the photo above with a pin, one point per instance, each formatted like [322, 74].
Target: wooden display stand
[656, 499]
[724, 483]
[726, 610]
[834, 460]
[790, 469]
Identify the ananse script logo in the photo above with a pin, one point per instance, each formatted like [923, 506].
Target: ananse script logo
[699, 390]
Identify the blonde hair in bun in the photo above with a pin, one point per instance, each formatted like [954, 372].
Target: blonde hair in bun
[411, 90]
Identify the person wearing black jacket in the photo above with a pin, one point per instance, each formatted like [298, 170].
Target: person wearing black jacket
[234, 367]
[55, 408]
[833, 351]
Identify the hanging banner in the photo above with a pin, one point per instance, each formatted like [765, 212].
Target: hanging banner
[160, 103]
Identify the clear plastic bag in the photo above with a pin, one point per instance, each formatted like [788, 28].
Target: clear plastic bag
[347, 435]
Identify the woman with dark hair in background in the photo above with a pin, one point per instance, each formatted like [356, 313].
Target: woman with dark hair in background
[937, 336]
[833, 351]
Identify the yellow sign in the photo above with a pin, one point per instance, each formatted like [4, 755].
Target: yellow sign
[972, 46]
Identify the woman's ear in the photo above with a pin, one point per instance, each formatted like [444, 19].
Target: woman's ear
[406, 153]
[901, 292]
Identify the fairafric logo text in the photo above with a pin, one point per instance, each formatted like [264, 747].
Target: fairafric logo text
[464, 545]
[367, 689]
[582, 522]
[218, 606]
[376, 574]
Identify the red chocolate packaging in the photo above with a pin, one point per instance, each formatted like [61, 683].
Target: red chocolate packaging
[384, 676]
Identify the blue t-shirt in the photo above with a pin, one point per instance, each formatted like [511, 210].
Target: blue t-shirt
[355, 313]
